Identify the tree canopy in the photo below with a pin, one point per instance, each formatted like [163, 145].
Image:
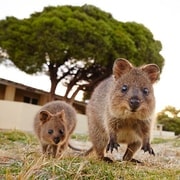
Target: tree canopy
[170, 118]
[76, 45]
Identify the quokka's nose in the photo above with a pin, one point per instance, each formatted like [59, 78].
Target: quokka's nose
[56, 140]
[134, 103]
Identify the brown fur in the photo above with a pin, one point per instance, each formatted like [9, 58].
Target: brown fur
[121, 110]
[53, 125]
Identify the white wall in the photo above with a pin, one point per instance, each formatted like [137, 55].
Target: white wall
[20, 116]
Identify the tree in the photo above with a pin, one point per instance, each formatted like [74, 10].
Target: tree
[76, 45]
[170, 118]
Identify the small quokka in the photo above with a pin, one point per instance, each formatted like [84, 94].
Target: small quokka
[53, 125]
[121, 110]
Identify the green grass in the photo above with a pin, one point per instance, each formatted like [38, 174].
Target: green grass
[174, 141]
[21, 159]
[160, 140]
[80, 137]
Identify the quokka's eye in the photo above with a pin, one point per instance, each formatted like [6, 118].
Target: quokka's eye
[124, 88]
[50, 131]
[145, 91]
[61, 131]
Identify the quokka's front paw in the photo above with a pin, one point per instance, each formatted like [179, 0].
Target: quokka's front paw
[147, 148]
[112, 145]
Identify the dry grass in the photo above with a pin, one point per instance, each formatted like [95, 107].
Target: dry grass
[21, 159]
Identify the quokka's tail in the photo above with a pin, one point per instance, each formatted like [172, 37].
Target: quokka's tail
[85, 152]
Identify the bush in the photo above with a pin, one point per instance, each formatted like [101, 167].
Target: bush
[170, 118]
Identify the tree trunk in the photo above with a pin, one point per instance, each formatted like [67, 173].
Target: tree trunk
[67, 93]
[54, 81]
[71, 100]
[52, 90]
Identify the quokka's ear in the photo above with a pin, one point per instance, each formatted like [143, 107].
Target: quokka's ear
[120, 67]
[44, 116]
[152, 71]
[61, 115]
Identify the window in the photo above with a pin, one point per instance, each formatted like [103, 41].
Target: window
[30, 100]
[34, 101]
[26, 99]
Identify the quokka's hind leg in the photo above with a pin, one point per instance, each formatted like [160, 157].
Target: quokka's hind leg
[100, 151]
[100, 148]
[131, 150]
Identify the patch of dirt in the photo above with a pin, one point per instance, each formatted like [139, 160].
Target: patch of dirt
[167, 155]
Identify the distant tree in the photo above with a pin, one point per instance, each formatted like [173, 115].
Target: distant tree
[75, 45]
[3, 55]
[170, 118]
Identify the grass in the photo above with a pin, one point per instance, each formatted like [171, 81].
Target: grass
[21, 159]
[80, 137]
[174, 142]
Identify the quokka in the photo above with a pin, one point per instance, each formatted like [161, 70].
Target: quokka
[53, 124]
[121, 110]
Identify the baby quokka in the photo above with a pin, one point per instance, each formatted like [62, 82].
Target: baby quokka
[53, 125]
[121, 110]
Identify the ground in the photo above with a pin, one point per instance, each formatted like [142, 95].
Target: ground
[21, 158]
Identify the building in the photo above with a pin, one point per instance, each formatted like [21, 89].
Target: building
[13, 91]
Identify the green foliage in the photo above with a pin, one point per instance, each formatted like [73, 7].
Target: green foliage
[170, 118]
[145, 43]
[58, 35]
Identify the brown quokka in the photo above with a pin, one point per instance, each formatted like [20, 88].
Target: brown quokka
[121, 110]
[53, 125]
